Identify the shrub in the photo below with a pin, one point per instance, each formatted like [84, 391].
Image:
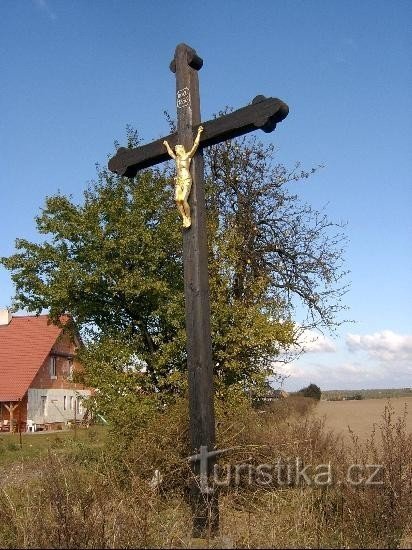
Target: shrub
[311, 391]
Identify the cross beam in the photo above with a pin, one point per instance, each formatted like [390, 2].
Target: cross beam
[263, 113]
[11, 408]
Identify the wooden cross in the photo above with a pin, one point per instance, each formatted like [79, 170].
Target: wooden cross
[11, 407]
[263, 113]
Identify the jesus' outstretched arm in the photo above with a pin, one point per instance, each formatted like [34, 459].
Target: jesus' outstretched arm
[169, 150]
[196, 142]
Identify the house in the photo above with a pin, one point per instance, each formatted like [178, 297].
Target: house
[37, 360]
[276, 394]
[280, 394]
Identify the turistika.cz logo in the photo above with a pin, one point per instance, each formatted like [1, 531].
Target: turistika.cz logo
[283, 472]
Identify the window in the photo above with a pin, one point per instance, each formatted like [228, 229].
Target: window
[71, 402]
[70, 369]
[53, 366]
[65, 402]
[79, 406]
[44, 405]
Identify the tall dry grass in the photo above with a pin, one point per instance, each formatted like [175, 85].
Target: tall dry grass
[103, 499]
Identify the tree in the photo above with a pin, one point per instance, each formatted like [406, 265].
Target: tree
[296, 249]
[114, 263]
[268, 249]
[312, 391]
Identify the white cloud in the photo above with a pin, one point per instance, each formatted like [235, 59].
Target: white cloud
[292, 370]
[344, 375]
[378, 360]
[385, 346]
[314, 342]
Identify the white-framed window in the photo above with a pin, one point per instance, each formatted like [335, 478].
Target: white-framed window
[79, 406]
[65, 402]
[71, 402]
[44, 405]
[53, 366]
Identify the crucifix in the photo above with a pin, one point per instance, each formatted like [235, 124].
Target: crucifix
[185, 146]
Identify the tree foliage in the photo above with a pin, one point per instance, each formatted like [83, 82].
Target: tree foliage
[312, 391]
[114, 262]
[297, 250]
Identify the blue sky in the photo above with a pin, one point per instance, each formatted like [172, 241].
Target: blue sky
[75, 73]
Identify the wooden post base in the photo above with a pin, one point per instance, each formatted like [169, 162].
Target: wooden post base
[205, 513]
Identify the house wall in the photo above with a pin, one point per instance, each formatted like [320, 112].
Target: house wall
[53, 390]
[43, 378]
[54, 408]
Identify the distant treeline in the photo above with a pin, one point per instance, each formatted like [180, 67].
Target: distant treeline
[339, 395]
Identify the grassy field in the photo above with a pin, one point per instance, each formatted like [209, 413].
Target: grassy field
[37, 445]
[361, 416]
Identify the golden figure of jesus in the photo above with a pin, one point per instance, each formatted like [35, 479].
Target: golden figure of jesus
[183, 180]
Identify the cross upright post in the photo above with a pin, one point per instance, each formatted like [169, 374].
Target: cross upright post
[185, 65]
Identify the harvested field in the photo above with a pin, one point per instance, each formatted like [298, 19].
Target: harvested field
[361, 415]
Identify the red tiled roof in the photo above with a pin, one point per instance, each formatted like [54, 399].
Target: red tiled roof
[24, 345]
